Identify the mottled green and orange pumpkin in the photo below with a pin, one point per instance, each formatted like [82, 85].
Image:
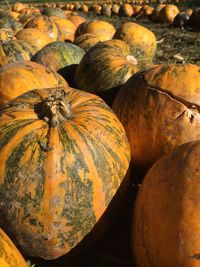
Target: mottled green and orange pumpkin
[166, 220]
[86, 40]
[17, 78]
[105, 66]
[64, 155]
[44, 24]
[159, 109]
[9, 254]
[14, 51]
[58, 55]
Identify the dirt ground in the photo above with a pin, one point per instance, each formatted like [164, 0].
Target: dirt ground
[114, 250]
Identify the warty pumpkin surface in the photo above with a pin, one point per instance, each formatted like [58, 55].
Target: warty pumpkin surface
[9, 254]
[166, 220]
[159, 109]
[14, 51]
[63, 156]
[17, 78]
[104, 66]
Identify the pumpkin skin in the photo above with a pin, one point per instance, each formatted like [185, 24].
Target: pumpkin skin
[106, 65]
[54, 12]
[10, 256]
[68, 176]
[167, 211]
[15, 50]
[7, 22]
[62, 57]
[142, 40]
[66, 29]
[159, 111]
[34, 37]
[76, 20]
[168, 13]
[17, 78]
[126, 10]
[102, 29]
[194, 20]
[86, 40]
[44, 24]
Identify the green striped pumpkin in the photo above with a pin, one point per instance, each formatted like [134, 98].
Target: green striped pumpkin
[58, 55]
[64, 155]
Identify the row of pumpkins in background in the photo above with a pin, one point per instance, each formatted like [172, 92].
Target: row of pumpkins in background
[163, 13]
[79, 148]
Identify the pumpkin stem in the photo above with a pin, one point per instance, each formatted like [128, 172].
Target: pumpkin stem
[56, 108]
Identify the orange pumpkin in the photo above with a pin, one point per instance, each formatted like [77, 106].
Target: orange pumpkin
[66, 29]
[168, 13]
[34, 37]
[44, 24]
[86, 40]
[142, 40]
[19, 77]
[9, 254]
[102, 29]
[126, 10]
[76, 19]
[166, 220]
[159, 109]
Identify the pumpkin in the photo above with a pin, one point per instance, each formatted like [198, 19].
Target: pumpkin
[166, 220]
[106, 10]
[142, 40]
[159, 109]
[136, 10]
[9, 254]
[7, 22]
[168, 13]
[155, 16]
[126, 10]
[70, 155]
[115, 9]
[6, 35]
[86, 40]
[76, 20]
[54, 12]
[15, 50]
[18, 6]
[14, 15]
[66, 29]
[105, 66]
[34, 37]
[19, 77]
[58, 55]
[44, 24]
[97, 9]
[102, 29]
[84, 8]
[194, 20]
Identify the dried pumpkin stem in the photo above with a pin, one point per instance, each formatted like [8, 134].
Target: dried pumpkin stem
[56, 108]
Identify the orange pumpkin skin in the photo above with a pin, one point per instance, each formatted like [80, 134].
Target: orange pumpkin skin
[75, 156]
[159, 111]
[167, 211]
[142, 40]
[126, 10]
[44, 24]
[66, 29]
[102, 29]
[155, 16]
[168, 13]
[77, 20]
[34, 37]
[19, 77]
[9, 255]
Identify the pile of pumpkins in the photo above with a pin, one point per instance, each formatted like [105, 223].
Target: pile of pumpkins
[83, 109]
